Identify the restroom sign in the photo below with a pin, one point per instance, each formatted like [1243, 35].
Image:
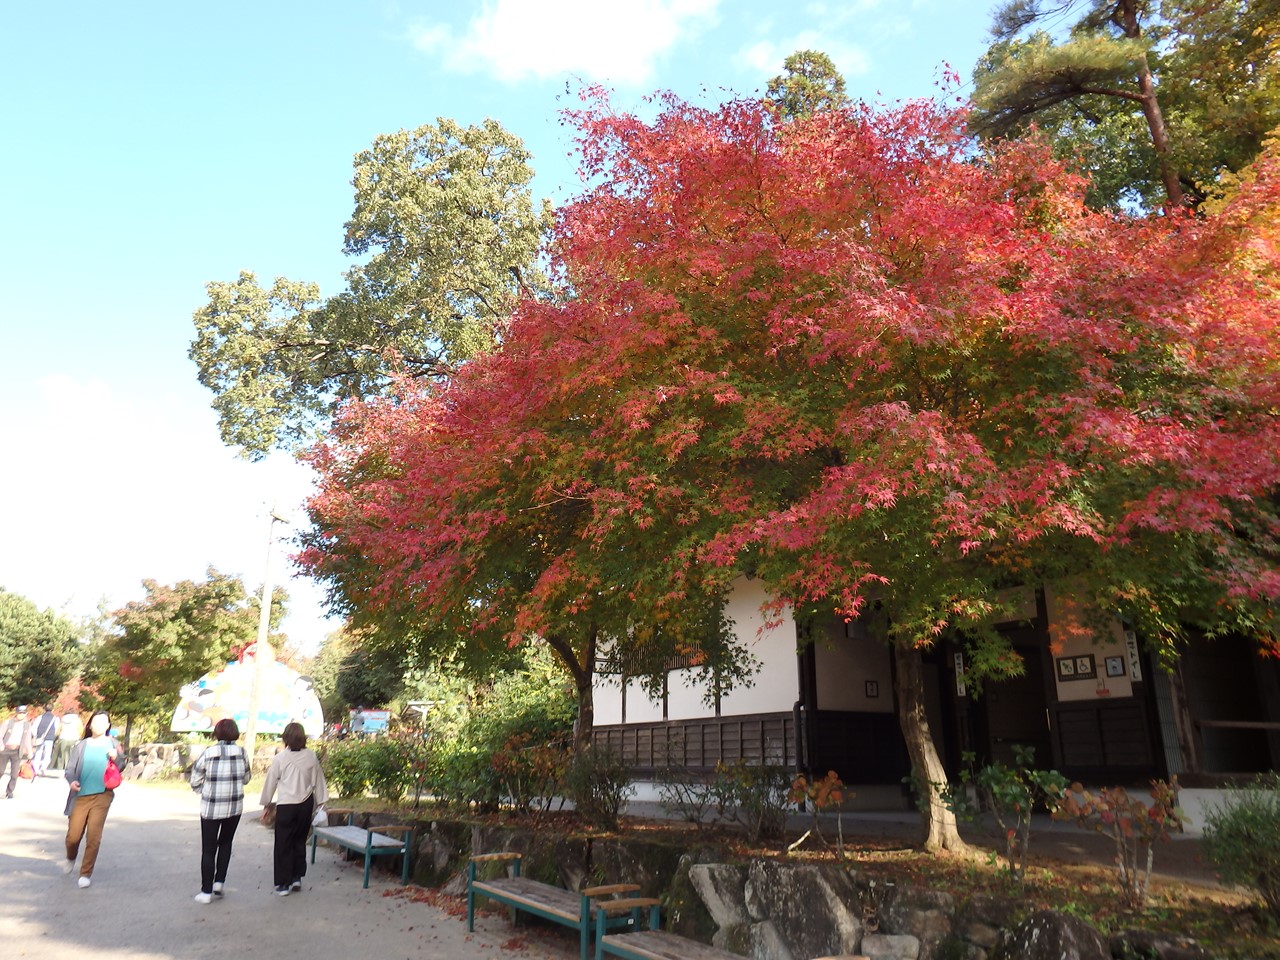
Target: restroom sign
[1131, 652]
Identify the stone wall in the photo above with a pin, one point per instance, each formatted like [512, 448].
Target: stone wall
[779, 910]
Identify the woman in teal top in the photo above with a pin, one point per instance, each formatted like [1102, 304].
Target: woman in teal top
[90, 798]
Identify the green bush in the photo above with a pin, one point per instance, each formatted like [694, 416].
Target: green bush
[395, 764]
[344, 767]
[1009, 794]
[757, 797]
[1242, 838]
[531, 773]
[599, 783]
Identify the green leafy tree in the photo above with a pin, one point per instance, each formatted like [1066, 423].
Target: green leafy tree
[1158, 100]
[38, 651]
[809, 82]
[449, 235]
[171, 637]
[369, 678]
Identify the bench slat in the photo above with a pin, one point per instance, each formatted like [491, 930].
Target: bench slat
[355, 837]
[660, 945]
[534, 893]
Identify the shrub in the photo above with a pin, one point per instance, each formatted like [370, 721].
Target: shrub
[1010, 794]
[819, 796]
[1242, 838]
[599, 782]
[462, 775]
[393, 763]
[756, 797]
[344, 767]
[531, 772]
[1132, 824]
[684, 795]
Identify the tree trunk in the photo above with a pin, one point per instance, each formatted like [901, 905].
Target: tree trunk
[941, 831]
[1128, 21]
[581, 667]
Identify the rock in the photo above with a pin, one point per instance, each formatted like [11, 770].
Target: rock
[985, 917]
[720, 888]
[443, 848]
[766, 942]
[890, 946]
[810, 907]
[927, 915]
[1147, 945]
[1049, 935]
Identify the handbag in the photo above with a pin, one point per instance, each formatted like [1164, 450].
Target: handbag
[111, 776]
[26, 771]
[321, 817]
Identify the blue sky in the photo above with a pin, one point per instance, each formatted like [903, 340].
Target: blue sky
[152, 147]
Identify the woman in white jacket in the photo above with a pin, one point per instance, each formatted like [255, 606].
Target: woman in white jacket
[295, 772]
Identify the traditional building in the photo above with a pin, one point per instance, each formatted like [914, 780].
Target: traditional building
[1091, 703]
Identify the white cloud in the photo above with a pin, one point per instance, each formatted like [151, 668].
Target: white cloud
[103, 491]
[617, 43]
[765, 57]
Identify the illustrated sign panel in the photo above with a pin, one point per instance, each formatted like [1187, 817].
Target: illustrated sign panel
[284, 696]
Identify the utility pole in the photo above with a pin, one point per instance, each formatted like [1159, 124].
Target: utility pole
[263, 643]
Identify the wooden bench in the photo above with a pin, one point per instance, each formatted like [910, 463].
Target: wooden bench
[371, 843]
[584, 911]
[658, 945]
[654, 944]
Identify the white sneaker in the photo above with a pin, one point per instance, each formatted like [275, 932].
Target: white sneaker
[217, 889]
[203, 897]
[68, 866]
[83, 882]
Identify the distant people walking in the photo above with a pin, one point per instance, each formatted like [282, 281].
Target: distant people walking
[69, 733]
[90, 797]
[46, 734]
[15, 746]
[219, 776]
[296, 773]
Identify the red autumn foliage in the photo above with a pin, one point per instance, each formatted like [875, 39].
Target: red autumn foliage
[856, 358]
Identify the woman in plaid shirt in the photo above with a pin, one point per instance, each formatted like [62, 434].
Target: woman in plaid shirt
[219, 777]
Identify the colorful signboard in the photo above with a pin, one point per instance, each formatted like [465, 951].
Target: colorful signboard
[284, 695]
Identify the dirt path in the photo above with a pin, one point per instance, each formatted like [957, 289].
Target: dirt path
[140, 905]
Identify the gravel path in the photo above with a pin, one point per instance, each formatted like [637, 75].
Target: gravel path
[140, 905]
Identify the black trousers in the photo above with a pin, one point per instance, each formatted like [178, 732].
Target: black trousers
[293, 823]
[215, 850]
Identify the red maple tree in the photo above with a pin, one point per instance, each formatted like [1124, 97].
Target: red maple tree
[858, 359]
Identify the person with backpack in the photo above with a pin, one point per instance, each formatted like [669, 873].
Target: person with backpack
[219, 776]
[46, 732]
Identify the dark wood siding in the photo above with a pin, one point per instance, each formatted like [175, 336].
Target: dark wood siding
[700, 744]
[1107, 739]
[860, 747]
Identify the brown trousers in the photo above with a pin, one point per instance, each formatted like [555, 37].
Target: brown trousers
[86, 820]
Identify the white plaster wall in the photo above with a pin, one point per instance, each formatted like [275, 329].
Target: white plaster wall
[606, 696]
[776, 684]
[684, 698]
[640, 709]
[1074, 633]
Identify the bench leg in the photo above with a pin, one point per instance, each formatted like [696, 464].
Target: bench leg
[313, 847]
[368, 862]
[404, 867]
